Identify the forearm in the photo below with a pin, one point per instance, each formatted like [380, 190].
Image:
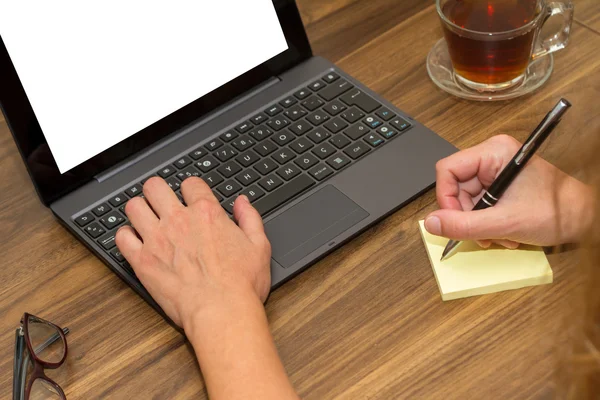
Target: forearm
[236, 351]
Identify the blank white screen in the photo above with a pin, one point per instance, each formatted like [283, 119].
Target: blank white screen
[98, 72]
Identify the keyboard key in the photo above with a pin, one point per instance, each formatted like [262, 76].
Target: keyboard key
[285, 193]
[335, 90]
[247, 177]
[167, 171]
[318, 117]
[265, 148]
[112, 219]
[266, 166]
[243, 127]
[253, 193]
[173, 183]
[340, 141]
[387, 132]
[312, 103]
[278, 123]
[228, 136]
[316, 86]
[229, 169]
[248, 158]
[356, 132]
[182, 162]
[301, 145]
[295, 113]
[242, 143]
[101, 209]
[334, 108]
[199, 153]
[207, 163]
[260, 133]
[187, 173]
[273, 110]
[373, 139]
[352, 115]
[287, 103]
[357, 97]
[288, 171]
[213, 144]
[117, 200]
[270, 182]
[95, 230]
[300, 127]
[258, 119]
[323, 151]
[134, 190]
[107, 241]
[320, 172]
[338, 161]
[212, 179]
[84, 219]
[400, 123]
[283, 138]
[331, 77]
[228, 205]
[385, 114]
[306, 161]
[229, 188]
[283, 155]
[372, 122]
[302, 94]
[357, 150]
[116, 254]
[336, 125]
[227, 152]
[318, 135]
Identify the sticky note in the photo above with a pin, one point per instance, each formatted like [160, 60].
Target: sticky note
[472, 271]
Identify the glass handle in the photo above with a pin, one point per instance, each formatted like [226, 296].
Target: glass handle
[557, 40]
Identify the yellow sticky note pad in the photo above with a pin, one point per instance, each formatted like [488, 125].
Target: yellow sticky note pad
[471, 270]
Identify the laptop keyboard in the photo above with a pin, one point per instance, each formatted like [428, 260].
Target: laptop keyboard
[274, 156]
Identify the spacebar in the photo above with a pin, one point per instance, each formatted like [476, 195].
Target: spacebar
[286, 192]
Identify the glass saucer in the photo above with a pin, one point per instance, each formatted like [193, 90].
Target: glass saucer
[441, 72]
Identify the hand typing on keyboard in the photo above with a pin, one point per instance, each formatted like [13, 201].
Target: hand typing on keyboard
[189, 257]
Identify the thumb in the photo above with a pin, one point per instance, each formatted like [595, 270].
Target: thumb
[249, 220]
[468, 225]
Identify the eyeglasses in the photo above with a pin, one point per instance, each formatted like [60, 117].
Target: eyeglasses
[39, 345]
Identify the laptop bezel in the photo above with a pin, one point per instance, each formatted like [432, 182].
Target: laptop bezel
[51, 185]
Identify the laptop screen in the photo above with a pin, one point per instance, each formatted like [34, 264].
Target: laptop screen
[96, 75]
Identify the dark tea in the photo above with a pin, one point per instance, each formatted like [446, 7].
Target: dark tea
[497, 56]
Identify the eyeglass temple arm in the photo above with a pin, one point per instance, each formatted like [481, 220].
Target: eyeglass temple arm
[18, 361]
[50, 340]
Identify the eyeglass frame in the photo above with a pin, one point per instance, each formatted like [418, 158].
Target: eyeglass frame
[20, 392]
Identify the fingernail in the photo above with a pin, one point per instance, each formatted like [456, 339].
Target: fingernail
[244, 198]
[433, 225]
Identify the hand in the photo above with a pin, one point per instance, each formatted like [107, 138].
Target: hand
[543, 206]
[189, 258]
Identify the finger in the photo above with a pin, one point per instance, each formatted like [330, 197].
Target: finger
[484, 243]
[249, 220]
[195, 189]
[161, 197]
[141, 216]
[129, 244]
[490, 223]
[466, 201]
[509, 244]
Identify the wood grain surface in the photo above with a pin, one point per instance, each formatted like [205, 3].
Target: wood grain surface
[365, 322]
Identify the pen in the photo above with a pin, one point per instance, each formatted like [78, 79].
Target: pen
[512, 169]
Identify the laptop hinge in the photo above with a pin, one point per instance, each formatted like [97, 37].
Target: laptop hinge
[114, 170]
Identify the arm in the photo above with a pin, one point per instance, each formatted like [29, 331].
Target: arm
[210, 276]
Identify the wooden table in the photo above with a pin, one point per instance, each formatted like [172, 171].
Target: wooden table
[367, 321]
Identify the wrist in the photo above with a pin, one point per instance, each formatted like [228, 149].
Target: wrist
[576, 210]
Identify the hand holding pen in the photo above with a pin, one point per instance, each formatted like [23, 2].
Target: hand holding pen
[533, 210]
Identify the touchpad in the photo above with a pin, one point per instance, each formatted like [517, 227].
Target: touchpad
[310, 224]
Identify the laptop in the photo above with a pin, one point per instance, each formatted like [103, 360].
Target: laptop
[100, 99]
